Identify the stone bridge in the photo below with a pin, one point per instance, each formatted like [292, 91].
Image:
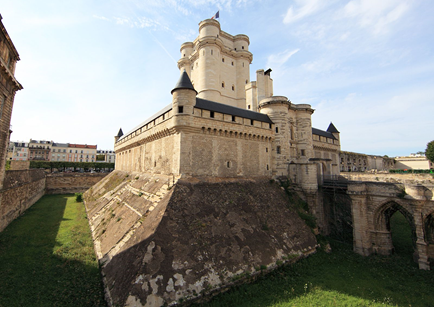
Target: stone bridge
[373, 204]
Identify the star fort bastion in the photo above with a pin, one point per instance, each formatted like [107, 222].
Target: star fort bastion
[190, 208]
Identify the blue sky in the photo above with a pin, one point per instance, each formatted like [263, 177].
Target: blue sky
[90, 67]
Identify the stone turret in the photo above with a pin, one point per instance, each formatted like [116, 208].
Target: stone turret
[118, 136]
[183, 96]
[277, 108]
[332, 129]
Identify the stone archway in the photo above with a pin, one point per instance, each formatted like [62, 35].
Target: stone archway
[429, 238]
[381, 234]
[372, 206]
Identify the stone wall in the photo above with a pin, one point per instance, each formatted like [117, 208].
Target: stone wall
[390, 178]
[66, 183]
[21, 189]
[169, 145]
[160, 240]
[19, 165]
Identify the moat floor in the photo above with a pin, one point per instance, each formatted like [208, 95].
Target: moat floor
[47, 259]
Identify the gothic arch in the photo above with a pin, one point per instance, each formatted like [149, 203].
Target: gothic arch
[428, 228]
[383, 213]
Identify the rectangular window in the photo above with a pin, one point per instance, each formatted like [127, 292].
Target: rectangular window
[180, 109]
[233, 118]
[303, 152]
[211, 114]
[252, 122]
[278, 149]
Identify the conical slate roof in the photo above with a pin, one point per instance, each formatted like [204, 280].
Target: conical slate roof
[120, 133]
[332, 129]
[184, 83]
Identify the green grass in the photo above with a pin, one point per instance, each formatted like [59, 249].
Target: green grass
[401, 235]
[340, 278]
[47, 257]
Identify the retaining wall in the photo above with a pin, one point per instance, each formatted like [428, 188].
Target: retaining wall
[21, 189]
[65, 183]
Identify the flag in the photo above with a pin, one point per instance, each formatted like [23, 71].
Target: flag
[216, 15]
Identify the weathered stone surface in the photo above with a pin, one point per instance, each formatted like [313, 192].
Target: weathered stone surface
[21, 190]
[163, 244]
[64, 183]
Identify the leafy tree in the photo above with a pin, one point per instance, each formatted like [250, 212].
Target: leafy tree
[429, 151]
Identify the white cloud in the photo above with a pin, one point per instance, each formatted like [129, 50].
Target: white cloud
[277, 60]
[375, 14]
[319, 66]
[101, 17]
[306, 8]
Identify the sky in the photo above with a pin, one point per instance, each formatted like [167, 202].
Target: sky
[90, 67]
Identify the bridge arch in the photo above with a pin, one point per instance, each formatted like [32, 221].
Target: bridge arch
[382, 229]
[428, 228]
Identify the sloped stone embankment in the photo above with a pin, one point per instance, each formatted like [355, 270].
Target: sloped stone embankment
[161, 243]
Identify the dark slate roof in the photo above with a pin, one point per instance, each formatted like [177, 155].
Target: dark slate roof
[332, 128]
[184, 83]
[323, 133]
[155, 116]
[231, 110]
[120, 133]
[60, 145]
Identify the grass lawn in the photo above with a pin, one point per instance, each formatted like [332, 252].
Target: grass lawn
[47, 257]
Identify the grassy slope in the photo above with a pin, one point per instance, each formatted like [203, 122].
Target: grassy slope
[47, 257]
[342, 278]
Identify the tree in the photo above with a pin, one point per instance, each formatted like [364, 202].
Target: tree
[429, 151]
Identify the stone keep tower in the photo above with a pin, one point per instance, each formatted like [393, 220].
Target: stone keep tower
[217, 64]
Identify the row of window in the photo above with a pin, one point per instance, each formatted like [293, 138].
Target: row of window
[278, 151]
[70, 151]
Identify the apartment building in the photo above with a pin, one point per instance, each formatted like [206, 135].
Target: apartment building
[81, 153]
[39, 150]
[59, 152]
[107, 156]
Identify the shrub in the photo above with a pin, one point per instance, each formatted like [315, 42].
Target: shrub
[79, 197]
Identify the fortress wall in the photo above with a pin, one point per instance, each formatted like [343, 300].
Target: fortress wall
[21, 189]
[148, 132]
[224, 155]
[160, 242]
[390, 178]
[229, 148]
[19, 165]
[158, 156]
[64, 183]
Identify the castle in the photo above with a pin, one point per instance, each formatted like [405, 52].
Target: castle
[220, 124]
